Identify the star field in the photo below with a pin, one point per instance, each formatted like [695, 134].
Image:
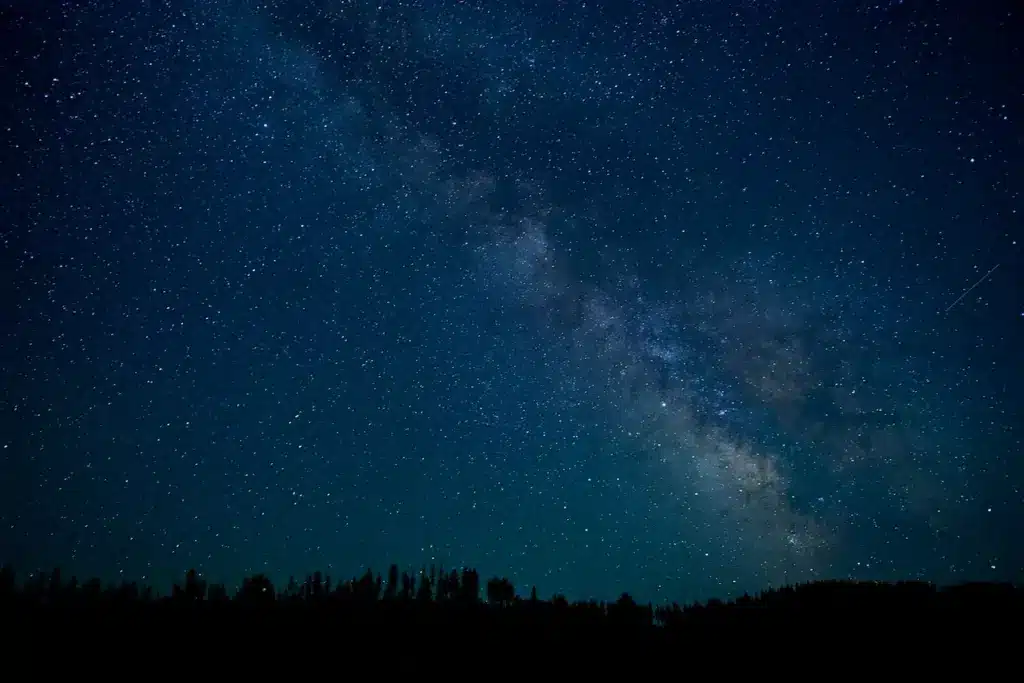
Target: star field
[621, 296]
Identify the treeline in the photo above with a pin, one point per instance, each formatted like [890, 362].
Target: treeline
[459, 598]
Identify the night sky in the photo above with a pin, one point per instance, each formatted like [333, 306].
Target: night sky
[658, 297]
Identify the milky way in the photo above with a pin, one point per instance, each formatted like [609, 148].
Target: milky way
[628, 298]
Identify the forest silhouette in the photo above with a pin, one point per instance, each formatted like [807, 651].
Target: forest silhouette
[438, 601]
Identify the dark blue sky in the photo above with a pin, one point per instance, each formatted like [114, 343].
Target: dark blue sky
[640, 296]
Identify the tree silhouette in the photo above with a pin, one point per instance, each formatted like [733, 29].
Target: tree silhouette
[195, 587]
[500, 592]
[425, 592]
[257, 590]
[392, 588]
[469, 590]
[446, 602]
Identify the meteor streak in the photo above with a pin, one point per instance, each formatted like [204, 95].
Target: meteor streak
[968, 290]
